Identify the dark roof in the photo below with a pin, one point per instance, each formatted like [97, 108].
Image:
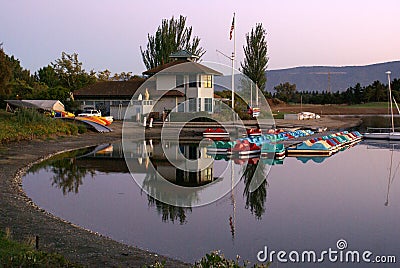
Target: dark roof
[159, 68]
[110, 89]
[182, 67]
[183, 54]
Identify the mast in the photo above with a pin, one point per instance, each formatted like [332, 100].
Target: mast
[391, 102]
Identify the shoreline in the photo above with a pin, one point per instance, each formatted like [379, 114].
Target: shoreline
[26, 219]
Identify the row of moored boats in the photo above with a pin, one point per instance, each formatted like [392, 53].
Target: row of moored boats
[267, 145]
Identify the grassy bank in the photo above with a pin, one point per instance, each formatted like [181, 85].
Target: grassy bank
[23, 254]
[16, 254]
[29, 124]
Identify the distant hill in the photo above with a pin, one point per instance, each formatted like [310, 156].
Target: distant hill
[316, 78]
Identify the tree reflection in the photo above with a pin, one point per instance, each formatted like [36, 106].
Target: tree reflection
[169, 212]
[68, 176]
[255, 200]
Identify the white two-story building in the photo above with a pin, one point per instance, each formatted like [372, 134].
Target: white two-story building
[181, 85]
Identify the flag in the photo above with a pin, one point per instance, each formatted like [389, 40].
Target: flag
[232, 27]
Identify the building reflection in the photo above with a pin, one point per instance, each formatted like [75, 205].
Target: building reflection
[148, 159]
[110, 158]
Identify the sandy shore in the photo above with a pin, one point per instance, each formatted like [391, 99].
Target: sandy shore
[20, 214]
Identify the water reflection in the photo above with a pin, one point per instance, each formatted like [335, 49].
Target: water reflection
[351, 195]
[67, 174]
[393, 167]
[169, 212]
[70, 169]
[256, 200]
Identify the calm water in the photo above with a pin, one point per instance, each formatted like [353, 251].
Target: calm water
[303, 205]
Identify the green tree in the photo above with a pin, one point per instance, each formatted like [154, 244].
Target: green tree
[5, 74]
[172, 35]
[18, 72]
[285, 92]
[48, 76]
[70, 72]
[256, 59]
[104, 75]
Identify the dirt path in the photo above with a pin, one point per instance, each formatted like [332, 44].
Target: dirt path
[18, 213]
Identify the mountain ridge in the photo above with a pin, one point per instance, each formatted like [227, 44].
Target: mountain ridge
[332, 78]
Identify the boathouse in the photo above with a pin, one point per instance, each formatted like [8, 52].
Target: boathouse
[182, 85]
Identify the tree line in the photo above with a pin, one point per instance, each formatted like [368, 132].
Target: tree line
[56, 81]
[357, 94]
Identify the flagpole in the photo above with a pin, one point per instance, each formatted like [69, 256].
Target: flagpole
[233, 64]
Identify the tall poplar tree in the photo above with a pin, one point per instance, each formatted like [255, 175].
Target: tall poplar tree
[256, 58]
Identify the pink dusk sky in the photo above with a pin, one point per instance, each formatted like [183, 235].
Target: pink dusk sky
[108, 34]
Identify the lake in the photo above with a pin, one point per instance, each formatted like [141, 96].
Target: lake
[304, 204]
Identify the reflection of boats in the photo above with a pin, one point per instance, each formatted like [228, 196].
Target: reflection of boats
[99, 149]
[276, 151]
[316, 159]
[220, 147]
[216, 133]
[271, 161]
[221, 157]
[241, 160]
[385, 133]
[244, 147]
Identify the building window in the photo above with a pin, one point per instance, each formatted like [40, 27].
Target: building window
[208, 105]
[179, 81]
[207, 80]
[192, 105]
[199, 104]
[192, 80]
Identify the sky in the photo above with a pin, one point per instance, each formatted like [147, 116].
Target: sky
[109, 34]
